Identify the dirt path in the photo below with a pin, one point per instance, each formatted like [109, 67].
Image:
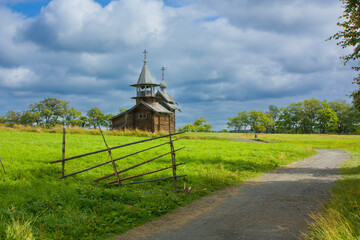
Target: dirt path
[272, 206]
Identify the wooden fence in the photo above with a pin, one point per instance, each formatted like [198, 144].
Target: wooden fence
[2, 164]
[119, 180]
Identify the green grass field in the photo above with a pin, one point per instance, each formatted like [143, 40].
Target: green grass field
[35, 204]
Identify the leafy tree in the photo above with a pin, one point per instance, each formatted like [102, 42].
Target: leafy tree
[197, 126]
[241, 121]
[121, 110]
[290, 118]
[259, 121]
[349, 36]
[189, 128]
[95, 117]
[309, 117]
[348, 116]
[327, 120]
[12, 117]
[30, 118]
[2, 120]
[207, 127]
[50, 110]
[199, 122]
[72, 117]
[273, 113]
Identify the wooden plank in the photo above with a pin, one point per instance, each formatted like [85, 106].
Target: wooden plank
[147, 173]
[116, 159]
[63, 155]
[112, 160]
[116, 147]
[173, 159]
[134, 166]
[2, 165]
[153, 180]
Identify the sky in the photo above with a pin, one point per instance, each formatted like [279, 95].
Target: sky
[221, 57]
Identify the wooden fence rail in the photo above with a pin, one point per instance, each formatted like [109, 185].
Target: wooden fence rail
[2, 164]
[119, 180]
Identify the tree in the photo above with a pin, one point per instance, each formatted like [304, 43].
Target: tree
[12, 117]
[95, 117]
[327, 120]
[349, 36]
[310, 109]
[2, 120]
[197, 126]
[241, 121]
[121, 110]
[72, 117]
[188, 128]
[273, 113]
[259, 121]
[348, 116]
[30, 118]
[50, 110]
[290, 118]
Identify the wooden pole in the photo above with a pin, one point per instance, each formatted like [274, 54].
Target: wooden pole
[2, 165]
[63, 155]
[153, 180]
[112, 160]
[173, 159]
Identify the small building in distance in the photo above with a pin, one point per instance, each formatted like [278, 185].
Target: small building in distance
[153, 111]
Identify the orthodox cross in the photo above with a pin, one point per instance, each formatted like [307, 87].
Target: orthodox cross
[145, 52]
[163, 69]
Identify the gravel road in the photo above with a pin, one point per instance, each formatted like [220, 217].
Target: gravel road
[273, 206]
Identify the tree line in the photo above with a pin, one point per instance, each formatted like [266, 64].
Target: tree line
[51, 112]
[309, 116]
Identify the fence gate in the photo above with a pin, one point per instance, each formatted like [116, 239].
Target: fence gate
[120, 181]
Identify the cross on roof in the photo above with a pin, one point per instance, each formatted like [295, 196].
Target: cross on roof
[163, 69]
[145, 52]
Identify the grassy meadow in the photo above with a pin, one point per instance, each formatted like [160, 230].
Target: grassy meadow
[35, 204]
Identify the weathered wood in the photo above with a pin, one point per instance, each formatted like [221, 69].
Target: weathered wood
[134, 166]
[116, 147]
[147, 173]
[112, 160]
[173, 159]
[2, 164]
[116, 159]
[153, 180]
[63, 154]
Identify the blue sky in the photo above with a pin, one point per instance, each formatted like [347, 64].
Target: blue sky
[222, 57]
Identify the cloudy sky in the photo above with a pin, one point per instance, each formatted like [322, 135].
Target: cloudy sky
[222, 57]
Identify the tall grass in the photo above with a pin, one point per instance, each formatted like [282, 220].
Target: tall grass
[340, 218]
[80, 130]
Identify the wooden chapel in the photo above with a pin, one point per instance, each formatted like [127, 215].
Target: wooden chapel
[154, 110]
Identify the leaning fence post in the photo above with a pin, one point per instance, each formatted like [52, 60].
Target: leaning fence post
[112, 160]
[2, 165]
[173, 159]
[63, 155]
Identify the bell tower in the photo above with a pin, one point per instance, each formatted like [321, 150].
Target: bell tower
[145, 87]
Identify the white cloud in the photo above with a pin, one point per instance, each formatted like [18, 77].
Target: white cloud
[17, 78]
[84, 25]
[12, 52]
